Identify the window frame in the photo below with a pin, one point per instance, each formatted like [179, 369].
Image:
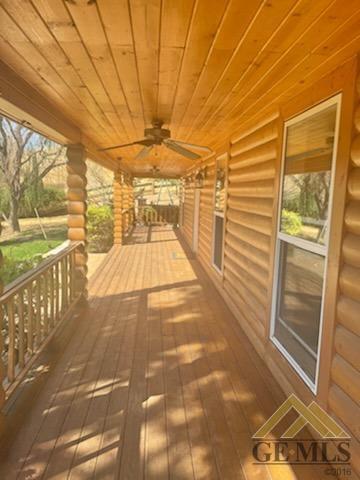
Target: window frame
[298, 242]
[222, 215]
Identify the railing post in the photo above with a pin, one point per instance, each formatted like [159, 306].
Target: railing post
[2, 366]
[77, 207]
[118, 206]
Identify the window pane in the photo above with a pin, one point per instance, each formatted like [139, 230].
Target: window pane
[218, 241]
[299, 305]
[220, 185]
[307, 176]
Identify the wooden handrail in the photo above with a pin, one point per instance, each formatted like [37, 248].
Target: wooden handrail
[29, 276]
[32, 307]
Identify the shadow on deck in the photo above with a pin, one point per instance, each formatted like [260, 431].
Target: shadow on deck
[158, 381]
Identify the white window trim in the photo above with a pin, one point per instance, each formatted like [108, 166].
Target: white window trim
[216, 213]
[305, 244]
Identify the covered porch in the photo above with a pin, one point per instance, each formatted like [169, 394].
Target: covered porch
[189, 336]
[158, 382]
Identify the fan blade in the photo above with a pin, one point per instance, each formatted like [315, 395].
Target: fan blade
[144, 152]
[145, 141]
[181, 150]
[202, 148]
[116, 146]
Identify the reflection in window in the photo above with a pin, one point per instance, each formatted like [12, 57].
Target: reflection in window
[299, 305]
[307, 176]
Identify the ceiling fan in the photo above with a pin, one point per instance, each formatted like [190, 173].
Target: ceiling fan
[161, 136]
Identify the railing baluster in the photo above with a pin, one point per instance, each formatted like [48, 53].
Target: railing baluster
[57, 294]
[66, 281]
[30, 319]
[12, 338]
[45, 297]
[21, 329]
[51, 296]
[38, 311]
[62, 281]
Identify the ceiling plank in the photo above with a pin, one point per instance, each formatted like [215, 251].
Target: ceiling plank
[201, 36]
[115, 17]
[145, 18]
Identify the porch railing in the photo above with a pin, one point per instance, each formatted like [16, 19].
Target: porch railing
[31, 308]
[155, 214]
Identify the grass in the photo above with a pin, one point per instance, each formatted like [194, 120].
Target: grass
[24, 251]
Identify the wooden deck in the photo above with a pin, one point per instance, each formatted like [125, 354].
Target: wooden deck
[159, 382]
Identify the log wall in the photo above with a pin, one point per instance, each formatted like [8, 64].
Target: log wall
[344, 388]
[250, 223]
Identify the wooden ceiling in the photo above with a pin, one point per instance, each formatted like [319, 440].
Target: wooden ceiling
[202, 66]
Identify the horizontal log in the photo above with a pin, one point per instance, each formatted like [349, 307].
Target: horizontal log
[352, 217]
[258, 206]
[81, 258]
[251, 221]
[76, 194]
[354, 184]
[76, 234]
[76, 221]
[262, 171]
[76, 167]
[76, 181]
[346, 377]
[355, 151]
[76, 207]
[245, 133]
[246, 314]
[351, 250]
[348, 314]
[258, 294]
[345, 409]
[244, 263]
[347, 346]
[258, 189]
[264, 134]
[244, 248]
[258, 240]
[350, 282]
[259, 154]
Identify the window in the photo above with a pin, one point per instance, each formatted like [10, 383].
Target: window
[309, 155]
[219, 213]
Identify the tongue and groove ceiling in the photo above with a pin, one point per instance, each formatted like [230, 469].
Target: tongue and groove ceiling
[202, 66]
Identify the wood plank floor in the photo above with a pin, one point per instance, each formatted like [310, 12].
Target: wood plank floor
[159, 381]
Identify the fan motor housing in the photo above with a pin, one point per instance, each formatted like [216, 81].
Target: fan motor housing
[159, 134]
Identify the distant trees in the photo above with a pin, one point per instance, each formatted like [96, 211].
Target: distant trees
[25, 159]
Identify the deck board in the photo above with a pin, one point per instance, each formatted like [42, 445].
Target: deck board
[159, 381]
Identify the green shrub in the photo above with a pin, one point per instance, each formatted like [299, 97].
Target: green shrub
[290, 222]
[100, 228]
[12, 268]
[48, 200]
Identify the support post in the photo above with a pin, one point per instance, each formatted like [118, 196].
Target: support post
[118, 206]
[77, 207]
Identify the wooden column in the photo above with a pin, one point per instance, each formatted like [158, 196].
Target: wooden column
[77, 206]
[2, 367]
[118, 206]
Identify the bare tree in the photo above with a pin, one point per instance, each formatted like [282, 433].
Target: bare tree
[25, 157]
